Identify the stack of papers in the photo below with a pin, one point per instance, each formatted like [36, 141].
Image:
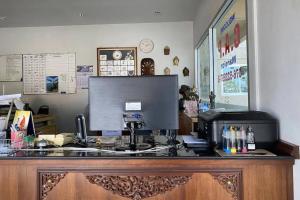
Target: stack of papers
[192, 141]
[6, 99]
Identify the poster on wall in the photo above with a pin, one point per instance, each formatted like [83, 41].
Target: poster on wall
[234, 80]
[11, 67]
[83, 72]
[52, 73]
[121, 61]
[230, 56]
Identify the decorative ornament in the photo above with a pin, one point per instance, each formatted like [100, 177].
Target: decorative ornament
[175, 61]
[167, 50]
[138, 187]
[147, 66]
[167, 71]
[146, 45]
[212, 100]
[186, 71]
[48, 182]
[231, 182]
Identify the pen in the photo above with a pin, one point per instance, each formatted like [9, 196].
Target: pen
[16, 127]
[13, 128]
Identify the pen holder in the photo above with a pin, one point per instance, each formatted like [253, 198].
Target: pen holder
[17, 139]
[2, 135]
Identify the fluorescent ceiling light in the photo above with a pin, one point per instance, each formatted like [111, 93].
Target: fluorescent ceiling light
[9, 97]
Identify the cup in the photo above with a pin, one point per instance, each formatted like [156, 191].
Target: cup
[17, 139]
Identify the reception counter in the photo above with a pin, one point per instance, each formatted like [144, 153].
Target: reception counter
[170, 174]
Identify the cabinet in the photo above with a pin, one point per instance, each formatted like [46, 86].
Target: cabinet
[187, 124]
[149, 179]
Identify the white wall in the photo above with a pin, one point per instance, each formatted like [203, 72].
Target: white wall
[84, 40]
[279, 68]
[205, 15]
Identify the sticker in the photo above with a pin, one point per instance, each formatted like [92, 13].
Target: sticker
[103, 57]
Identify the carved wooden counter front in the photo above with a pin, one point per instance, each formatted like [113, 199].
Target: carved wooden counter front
[149, 179]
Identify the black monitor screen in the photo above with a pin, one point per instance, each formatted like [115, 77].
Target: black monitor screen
[157, 95]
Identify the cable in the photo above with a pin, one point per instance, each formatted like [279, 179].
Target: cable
[154, 149]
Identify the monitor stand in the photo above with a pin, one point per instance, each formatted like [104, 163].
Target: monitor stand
[134, 145]
[138, 147]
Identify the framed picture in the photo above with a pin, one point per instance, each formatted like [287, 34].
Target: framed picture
[119, 61]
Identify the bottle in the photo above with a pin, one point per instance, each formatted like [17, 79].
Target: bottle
[244, 140]
[232, 140]
[238, 140]
[225, 140]
[228, 141]
[206, 107]
[250, 139]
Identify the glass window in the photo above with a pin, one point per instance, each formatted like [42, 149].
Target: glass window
[230, 63]
[203, 69]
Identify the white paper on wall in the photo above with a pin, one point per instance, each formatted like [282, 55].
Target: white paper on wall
[49, 73]
[83, 72]
[10, 67]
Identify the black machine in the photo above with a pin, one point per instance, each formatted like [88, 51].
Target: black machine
[265, 127]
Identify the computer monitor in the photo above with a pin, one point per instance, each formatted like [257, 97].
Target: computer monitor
[157, 97]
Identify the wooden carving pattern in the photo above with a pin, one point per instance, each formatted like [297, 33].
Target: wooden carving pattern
[49, 181]
[138, 187]
[230, 181]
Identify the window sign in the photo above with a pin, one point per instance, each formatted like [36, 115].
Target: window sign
[230, 57]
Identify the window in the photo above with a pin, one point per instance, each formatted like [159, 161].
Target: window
[229, 63]
[203, 67]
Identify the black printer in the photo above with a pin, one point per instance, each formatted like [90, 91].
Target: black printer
[265, 127]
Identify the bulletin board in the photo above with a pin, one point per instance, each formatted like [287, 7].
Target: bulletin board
[11, 67]
[121, 61]
[49, 73]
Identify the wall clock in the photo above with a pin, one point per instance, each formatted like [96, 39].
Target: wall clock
[117, 55]
[146, 45]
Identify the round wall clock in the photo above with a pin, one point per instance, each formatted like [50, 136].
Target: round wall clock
[117, 55]
[146, 45]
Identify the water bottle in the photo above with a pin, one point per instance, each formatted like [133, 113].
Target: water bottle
[250, 139]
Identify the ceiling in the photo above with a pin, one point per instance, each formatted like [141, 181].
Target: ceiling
[24, 13]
